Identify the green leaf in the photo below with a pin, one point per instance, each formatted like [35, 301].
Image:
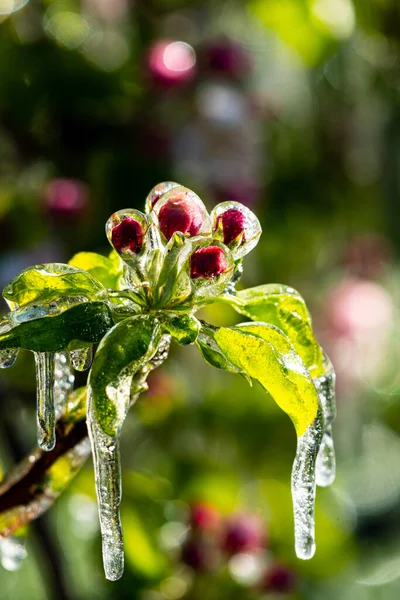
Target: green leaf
[174, 282]
[183, 328]
[42, 284]
[283, 307]
[213, 354]
[265, 354]
[85, 323]
[122, 353]
[141, 550]
[107, 270]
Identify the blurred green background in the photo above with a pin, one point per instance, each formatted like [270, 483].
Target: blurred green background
[291, 107]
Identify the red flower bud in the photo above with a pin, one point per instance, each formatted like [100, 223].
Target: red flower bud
[233, 224]
[197, 555]
[180, 213]
[207, 262]
[127, 235]
[237, 226]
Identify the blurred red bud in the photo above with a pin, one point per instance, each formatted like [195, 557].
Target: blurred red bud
[66, 199]
[243, 533]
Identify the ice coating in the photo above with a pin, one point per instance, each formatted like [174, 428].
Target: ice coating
[126, 231]
[236, 226]
[81, 359]
[8, 356]
[12, 553]
[326, 462]
[63, 382]
[304, 486]
[157, 192]
[106, 457]
[45, 401]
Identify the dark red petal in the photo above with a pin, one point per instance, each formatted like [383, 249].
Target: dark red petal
[180, 213]
[233, 224]
[207, 262]
[128, 235]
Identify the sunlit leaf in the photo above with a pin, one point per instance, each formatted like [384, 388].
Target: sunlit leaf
[265, 354]
[52, 282]
[283, 307]
[183, 328]
[105, 269]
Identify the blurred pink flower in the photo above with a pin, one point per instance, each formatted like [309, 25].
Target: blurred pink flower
[171, 63]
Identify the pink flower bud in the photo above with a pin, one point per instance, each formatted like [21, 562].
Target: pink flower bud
[171, 63]
[233, 225]
[66, 199]
[180, 213]
[207, 262]
[127, 235]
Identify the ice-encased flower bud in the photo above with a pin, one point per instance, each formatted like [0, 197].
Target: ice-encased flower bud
[126, 231]
[236, 226]
[157, 192]
[181, 210]
[207, 262]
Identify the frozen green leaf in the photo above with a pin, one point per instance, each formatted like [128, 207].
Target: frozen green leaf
[46, 283]
[183, 328]
[212, 353]
[107, 270]
[283, 307]
[84, 323]
[126, 348]
[264, 353]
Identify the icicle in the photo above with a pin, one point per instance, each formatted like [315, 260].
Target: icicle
[63, 382]
[303, 487]
[81, 359]
[107, 469]
[12, 554]
[8, 357]
[45, 400]
[326, 463]
[106, 460]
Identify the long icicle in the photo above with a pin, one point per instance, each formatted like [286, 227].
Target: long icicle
[106, 460]
[304, 486]
[45, 404]
[326, 462]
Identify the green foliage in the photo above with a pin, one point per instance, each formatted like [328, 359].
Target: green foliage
[128, 346]
[106, 270]
[83, 324]
[264, 353]
[49, 283]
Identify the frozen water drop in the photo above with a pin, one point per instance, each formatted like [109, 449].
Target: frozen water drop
[8, 356]
[304, 486]
[12, 554]
[81, 359]
[45, 400]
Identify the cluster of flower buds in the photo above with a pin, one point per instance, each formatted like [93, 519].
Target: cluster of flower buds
[210, 245]
[213, 541]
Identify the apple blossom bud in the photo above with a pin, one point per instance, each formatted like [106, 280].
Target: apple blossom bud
[127, 235]
[204, 516]
[181, 210]
[207, 262]
[280, 579]
[232, 223]
[126, 232]
[237, 226]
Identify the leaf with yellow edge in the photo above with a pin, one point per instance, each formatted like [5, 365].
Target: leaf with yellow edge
[283, 307]
[264, 353]
[107, 270]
